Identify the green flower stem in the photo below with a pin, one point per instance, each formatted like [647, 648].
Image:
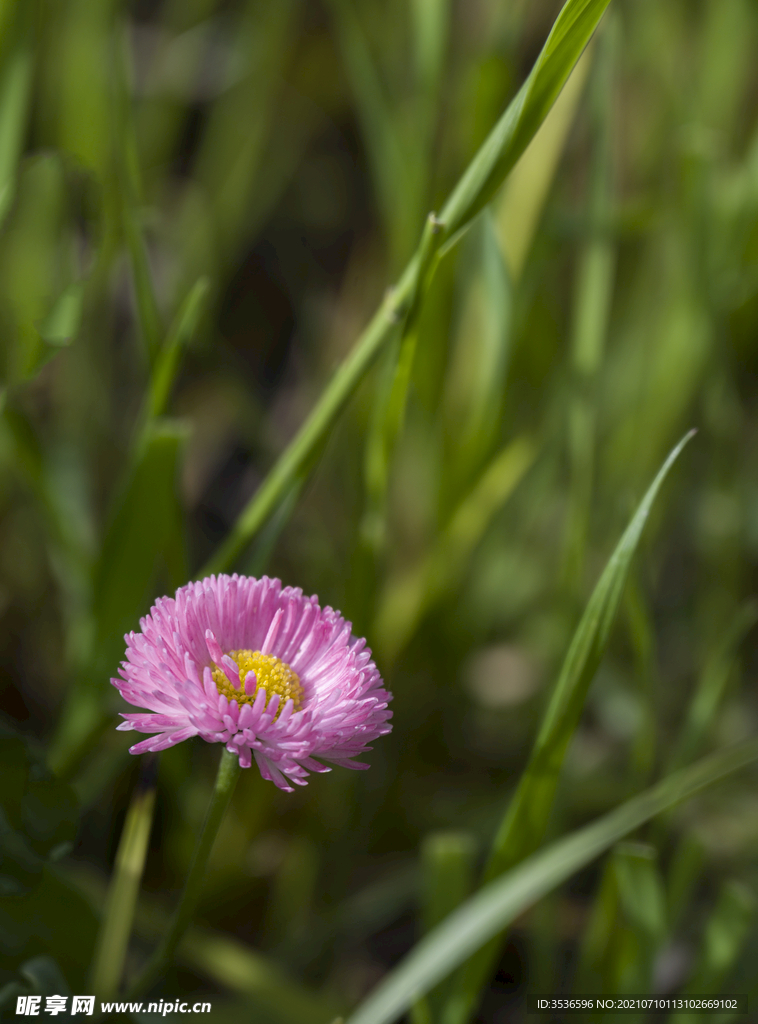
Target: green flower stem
[228, 773]
[122, 895]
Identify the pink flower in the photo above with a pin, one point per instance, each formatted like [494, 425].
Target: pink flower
[259, 668]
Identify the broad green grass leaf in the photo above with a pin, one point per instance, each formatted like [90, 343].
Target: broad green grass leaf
[571, 33]
[496, 905]
[135, 543]
[528, 813]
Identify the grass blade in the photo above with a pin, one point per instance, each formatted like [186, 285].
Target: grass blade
[389, 410]
[514, 131]
[527, 816]
[396, 176]
[15, 91]
[712, 686]
[500, 902]
[508, 140]
[143, 539]
[123, 892]
[148, 313]
[592, 305]
[522, 201]
[179, 335]
[627, 926]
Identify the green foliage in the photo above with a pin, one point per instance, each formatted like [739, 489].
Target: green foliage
[202, 206]
[499, 902]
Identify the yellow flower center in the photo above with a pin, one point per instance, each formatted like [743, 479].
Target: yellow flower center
[272, 674]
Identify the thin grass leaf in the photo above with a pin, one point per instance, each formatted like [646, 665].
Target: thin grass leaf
[395, 174]
[113, 940]
[593, 293]
[180, 334]
[392, 397]
[495, 906]
[683, 874]
[222, 959]
[711, 688]
[476, 379]
[148, 313]
[431, 25]
[241, 172]
[642, 906]
[447, 879]
[627, 925]
[570, 34]
[528, 813]
[573, 29]
[15, 93]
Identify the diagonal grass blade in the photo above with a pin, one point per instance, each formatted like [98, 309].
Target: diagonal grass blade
[499, 903]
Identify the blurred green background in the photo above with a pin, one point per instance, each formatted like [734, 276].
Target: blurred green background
[250, 176]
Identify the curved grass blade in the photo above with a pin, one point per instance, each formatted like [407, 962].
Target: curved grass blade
[496, 905]
[570, 34]
[527, 816]
[508, 140]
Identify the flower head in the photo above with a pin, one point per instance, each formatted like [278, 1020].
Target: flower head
[258, 667]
